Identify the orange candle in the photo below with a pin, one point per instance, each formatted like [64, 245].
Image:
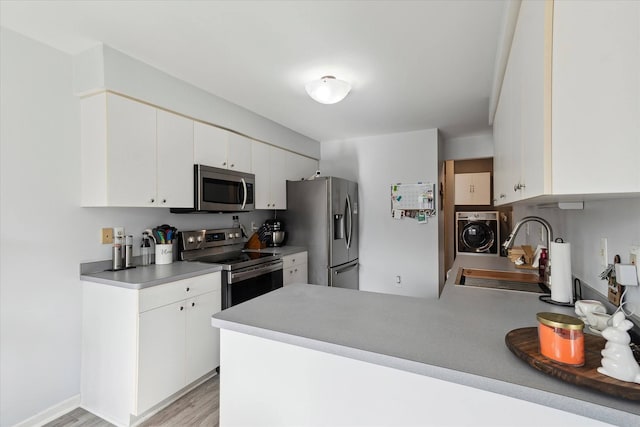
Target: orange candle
[561, 338]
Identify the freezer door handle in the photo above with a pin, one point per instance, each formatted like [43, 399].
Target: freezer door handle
[347, 268]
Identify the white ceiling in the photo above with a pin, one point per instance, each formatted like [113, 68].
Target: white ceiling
[413, 64]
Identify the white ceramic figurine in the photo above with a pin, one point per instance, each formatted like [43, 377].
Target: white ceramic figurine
[617, 358]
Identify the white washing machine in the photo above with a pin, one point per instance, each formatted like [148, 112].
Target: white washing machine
[478, 233]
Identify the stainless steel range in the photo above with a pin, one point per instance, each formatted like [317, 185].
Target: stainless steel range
[245, 274]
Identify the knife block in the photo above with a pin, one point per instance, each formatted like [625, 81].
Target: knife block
[255, 243]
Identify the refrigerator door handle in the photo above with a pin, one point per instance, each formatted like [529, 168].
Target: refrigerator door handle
[349, 222]
[347, 268]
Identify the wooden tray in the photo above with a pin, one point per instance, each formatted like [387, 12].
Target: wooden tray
[523, 343]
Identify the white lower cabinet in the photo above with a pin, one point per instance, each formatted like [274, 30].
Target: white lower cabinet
[294, 269]
[161, 346]
[142, 347]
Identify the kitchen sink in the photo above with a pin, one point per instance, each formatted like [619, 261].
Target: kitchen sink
[496, 279]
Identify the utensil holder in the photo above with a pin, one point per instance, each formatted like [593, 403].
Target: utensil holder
[164, 253]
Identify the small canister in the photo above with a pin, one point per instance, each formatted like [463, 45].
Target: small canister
[561, 338]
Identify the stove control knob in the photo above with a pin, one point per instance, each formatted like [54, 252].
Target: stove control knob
[231, 235]
[190, 239]
[199, 239]
[237, 235]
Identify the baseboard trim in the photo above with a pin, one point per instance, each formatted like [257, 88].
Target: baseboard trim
[51, 413]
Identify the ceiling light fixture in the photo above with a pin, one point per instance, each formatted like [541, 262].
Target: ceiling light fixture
[328, 90]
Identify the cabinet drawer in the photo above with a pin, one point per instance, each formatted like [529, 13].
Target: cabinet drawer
[294, 259]
[168, 293]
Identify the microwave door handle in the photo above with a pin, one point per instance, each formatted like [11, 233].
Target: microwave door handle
[244, 188]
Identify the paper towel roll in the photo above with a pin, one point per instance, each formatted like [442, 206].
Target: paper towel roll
[561, 288]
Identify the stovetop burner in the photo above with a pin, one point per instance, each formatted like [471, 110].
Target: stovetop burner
[220, 246]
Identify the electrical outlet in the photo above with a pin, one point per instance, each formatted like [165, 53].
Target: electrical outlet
[603, 253]
[107, 236]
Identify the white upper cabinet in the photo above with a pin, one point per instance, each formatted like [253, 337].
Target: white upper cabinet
[134, 155]
[210, 145]
[519, 150]
[596, 97]
[272, 167]
[175, 160]
[567, 117]
[239, 152]
[268, 165]
[221, 149]
[473, 188]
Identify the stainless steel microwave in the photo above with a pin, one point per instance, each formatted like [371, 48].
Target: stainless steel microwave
[221, 190]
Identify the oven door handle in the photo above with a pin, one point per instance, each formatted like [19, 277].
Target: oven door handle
[239, 276]
[244, 187]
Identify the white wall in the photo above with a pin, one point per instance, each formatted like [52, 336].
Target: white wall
[389, 247]
[476, 146]
[45, 234]
[106, 68]
[617, 220]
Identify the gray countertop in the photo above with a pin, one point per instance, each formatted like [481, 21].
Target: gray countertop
[457, 338]
[154, 274]
[151, 275]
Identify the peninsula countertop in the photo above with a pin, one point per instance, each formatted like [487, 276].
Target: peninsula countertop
[457, 338]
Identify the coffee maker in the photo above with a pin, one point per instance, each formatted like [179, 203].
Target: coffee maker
[276, 235]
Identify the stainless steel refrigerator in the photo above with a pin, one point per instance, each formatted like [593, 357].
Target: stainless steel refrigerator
[322, 215]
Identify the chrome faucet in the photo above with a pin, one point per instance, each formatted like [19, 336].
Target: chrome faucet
[509, 242]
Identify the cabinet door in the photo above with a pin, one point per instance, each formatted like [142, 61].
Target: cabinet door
[175, 161]
[203, 340]
[161, 354]
[131, 152]
[464, 189]
[596, 93]
[300, 274]
[473, 188]
[531, 84]
[295, 274]
[278, 163]
[261, 168]
[239, 153]
[210, 145]
[499, 154]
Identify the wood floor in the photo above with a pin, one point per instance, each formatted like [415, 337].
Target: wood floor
[199, 407]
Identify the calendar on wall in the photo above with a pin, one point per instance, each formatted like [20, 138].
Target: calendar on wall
[413, 201]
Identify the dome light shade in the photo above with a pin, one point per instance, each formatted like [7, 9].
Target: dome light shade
[328, 90]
